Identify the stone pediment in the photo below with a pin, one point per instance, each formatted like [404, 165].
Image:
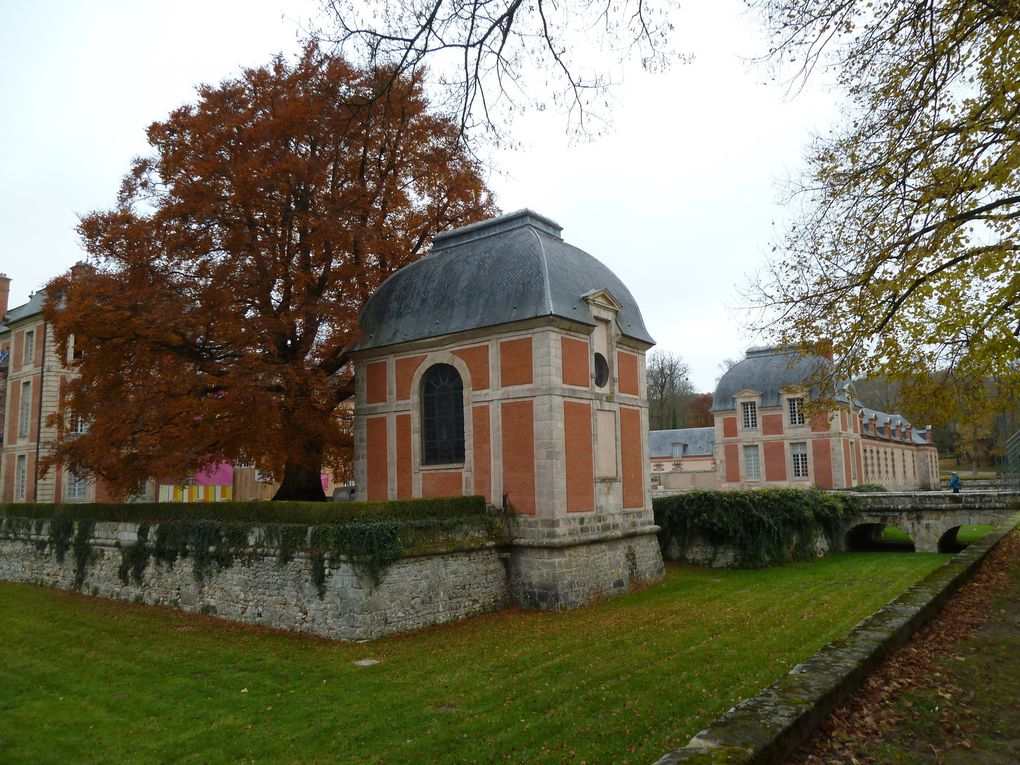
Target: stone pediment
[602, 298]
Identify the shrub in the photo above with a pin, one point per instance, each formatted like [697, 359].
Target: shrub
[868, 487]
[309, 513]
[764, 527]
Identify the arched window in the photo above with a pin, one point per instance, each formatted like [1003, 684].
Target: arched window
[442, 416]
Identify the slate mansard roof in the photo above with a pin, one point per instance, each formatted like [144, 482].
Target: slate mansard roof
[769, 371]
[916, 437]
[34, 306]
[507, 269]
[696, 442]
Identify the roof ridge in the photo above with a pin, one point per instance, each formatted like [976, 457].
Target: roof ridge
[545, 270]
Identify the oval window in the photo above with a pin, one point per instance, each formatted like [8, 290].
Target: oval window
[601, 370]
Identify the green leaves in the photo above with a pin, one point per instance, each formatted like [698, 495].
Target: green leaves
[909, 242]
[765, 527]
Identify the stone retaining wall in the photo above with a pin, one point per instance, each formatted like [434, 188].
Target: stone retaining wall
[257, 588]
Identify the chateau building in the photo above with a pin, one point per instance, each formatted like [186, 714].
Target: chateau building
[683, 458]
[765, 435]
[510, 364]
[32, 373]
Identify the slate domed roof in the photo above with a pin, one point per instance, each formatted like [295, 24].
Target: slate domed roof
[506, 269]
[768, 371]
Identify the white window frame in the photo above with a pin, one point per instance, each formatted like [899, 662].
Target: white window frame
[79, 425]
[25, 416]
[21, 477]
[77, 488]
[752, 467]
[795, 410]
[799, 459]
[28, 352]
[749, 414]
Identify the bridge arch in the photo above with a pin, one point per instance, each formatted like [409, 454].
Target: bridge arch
[871, 536]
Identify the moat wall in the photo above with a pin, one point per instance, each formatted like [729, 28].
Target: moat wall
[266, 586]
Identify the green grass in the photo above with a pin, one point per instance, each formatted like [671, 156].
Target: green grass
[970, 534]
[895, 534]
[966, 535]
[87, 680]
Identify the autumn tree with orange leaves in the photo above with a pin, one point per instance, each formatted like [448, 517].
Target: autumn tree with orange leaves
[221, 292]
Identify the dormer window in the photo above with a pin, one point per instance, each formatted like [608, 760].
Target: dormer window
[749, 410]
[796, 409]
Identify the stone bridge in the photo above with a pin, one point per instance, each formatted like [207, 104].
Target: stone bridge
[931, 519]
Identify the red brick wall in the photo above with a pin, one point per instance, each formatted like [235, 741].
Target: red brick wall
[575, 362]
[375, 382]
[732, 463]
[580, 459]
[18, 351]
[515, 362]
[627, 373]
[376, 462]
[12, 422]
[404, 372]
[772, 424]
[820, 422]
[9, 478]
[477, 360]
[449, 483]
[631, 457]
[729, 427]
[482, 450]
[775, 461]
[821, 456]
[403, 449]
[518, 444]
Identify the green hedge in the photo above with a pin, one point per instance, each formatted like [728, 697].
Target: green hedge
[311, 513]
[764, 527]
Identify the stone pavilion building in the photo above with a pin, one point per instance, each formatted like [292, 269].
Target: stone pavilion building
[510, 364]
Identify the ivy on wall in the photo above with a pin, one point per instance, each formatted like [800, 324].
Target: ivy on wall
[764, 527]
[369, 536]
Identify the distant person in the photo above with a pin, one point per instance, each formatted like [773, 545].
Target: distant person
[954, 483]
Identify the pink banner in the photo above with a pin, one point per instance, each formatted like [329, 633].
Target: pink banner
[221, 474]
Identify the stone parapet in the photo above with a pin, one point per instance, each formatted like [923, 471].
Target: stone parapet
[261, 586]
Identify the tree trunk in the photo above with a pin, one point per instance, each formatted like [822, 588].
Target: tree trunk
[300, 482]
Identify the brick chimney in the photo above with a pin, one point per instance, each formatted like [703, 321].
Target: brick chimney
[5, 293]
[928, 435]
[823, 348]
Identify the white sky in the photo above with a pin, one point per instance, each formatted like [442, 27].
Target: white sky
[679, 198]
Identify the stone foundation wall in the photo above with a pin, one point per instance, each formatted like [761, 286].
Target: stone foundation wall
[701, 552]
[256, 588]
[560, 576]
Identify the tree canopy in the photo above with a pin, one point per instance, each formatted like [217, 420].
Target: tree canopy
[222, 290]
[905, 253]
[670, 392]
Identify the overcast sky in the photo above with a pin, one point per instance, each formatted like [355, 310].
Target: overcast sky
[679, 198]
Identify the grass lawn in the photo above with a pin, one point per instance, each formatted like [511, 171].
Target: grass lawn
[966, 535]
[87, 680]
